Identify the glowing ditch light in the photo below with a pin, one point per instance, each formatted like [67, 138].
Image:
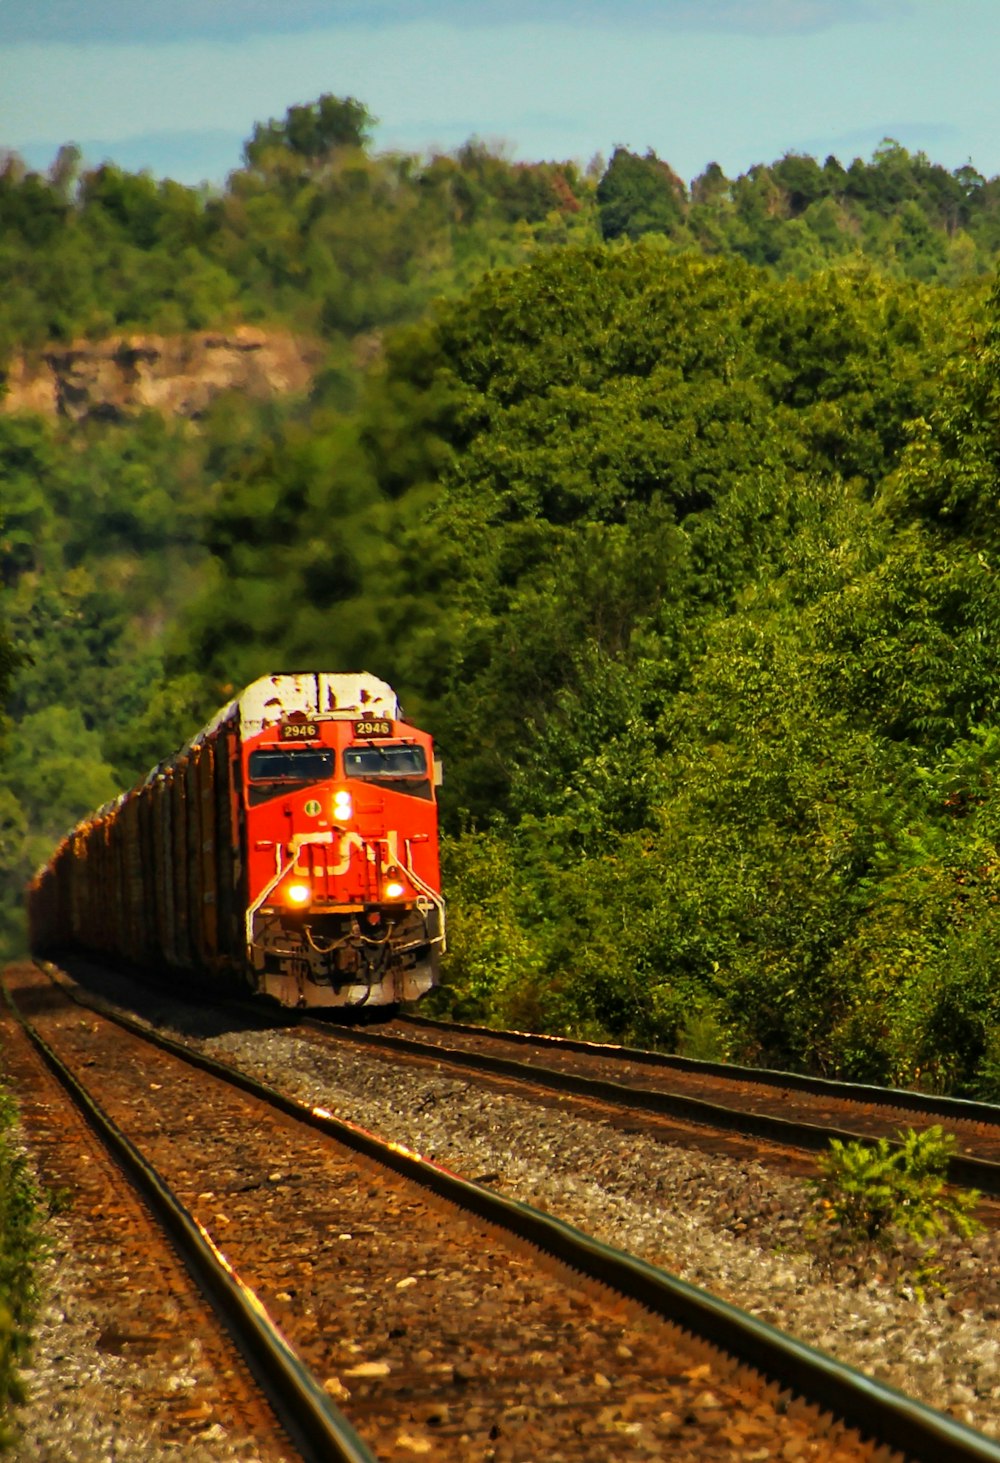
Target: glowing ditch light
[394, 889]
[298, 894]
[343, 805]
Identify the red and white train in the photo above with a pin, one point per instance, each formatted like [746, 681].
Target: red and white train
[290, 848]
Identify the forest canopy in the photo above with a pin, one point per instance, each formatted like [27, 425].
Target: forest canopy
[318, 231]
[671, 511]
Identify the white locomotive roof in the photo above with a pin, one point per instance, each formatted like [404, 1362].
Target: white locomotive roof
[310, 693]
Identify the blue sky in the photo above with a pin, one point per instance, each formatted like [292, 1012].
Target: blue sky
[176, 85]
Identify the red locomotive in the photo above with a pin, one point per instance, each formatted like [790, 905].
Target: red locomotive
[291, 847]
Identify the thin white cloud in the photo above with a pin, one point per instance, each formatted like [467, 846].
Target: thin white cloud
[128, 22]
[81, 22]
[549, 88]
[913, 134]
[187, 155]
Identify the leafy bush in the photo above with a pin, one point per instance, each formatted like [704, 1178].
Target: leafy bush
[19, 1243]
[878, 1196]
[489, 955]
[986, 1086]
[704, 1037]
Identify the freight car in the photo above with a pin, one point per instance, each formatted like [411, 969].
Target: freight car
[290, 848]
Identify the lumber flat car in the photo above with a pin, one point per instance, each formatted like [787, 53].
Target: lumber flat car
[289, 848]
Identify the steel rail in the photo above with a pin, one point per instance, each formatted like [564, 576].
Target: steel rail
[980, 1173]
[318, 1430]
[902, 1097]
[881, 1412]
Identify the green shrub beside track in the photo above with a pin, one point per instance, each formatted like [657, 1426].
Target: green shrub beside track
[878, 1196]
[19, 1244]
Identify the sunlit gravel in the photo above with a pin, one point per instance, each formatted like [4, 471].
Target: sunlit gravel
[733, 1227]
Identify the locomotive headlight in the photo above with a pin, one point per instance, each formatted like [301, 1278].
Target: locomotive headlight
[343, 805]
[298, 894]
[394, 889]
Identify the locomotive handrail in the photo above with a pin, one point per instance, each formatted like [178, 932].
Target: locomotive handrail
[297, 841]
[436, 899]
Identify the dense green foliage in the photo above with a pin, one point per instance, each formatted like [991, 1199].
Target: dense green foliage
[19, 1243]
[98, 551]
[653, 544]
[314, 231]
[904, 212]
[318, 232]
[682, 540]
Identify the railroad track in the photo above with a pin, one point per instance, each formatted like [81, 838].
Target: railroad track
[784, 1109]
[760, 1079]
[472, 1349]
[204, 1359]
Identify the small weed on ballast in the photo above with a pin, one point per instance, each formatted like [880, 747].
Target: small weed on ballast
[891, 1200]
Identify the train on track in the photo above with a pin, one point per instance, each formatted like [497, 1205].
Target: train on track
[289, 848]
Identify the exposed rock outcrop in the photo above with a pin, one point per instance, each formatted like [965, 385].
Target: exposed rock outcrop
[177, 375]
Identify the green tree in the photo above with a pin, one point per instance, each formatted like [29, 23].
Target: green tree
[312, 131]
[639, 195]
[803, 180]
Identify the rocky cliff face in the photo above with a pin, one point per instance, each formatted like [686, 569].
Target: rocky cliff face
[176, 375]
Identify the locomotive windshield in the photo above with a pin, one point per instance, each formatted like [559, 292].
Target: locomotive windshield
[277, 770]
[401, 767]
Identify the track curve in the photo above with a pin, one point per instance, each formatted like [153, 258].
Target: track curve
[944, 1442]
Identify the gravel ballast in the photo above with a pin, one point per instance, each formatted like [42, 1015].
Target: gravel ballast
[671, 1206]
[734, 1227]
[78, 1408]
